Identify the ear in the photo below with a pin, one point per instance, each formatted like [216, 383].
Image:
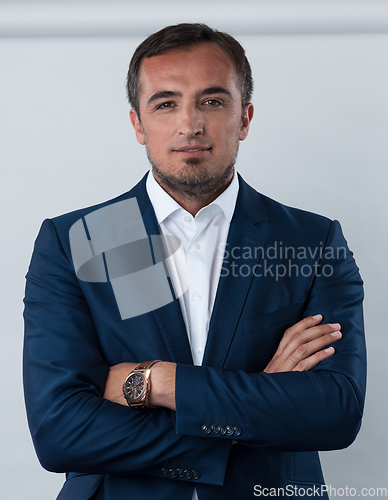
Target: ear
[136, 124]
[246, 120]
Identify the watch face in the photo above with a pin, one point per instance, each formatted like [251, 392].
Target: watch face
[135, 387]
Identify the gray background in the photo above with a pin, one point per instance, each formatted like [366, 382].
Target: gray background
[318, 141]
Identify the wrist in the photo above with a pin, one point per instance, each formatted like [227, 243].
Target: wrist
[136, 388]
[162, 378]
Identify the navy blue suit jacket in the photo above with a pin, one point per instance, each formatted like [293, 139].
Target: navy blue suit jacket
[74, 333]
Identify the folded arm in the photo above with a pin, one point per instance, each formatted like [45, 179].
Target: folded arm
[309, 397]
[303, 346]
[315, 409]
[73, 427]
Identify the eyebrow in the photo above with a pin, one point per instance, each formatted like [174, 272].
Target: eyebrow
[215, 90]
[165, 94]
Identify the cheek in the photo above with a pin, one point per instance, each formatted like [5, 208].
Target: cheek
[151, 138]
[158, 137]
[228, 137]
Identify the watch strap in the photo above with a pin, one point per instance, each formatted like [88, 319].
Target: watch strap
[145, 365]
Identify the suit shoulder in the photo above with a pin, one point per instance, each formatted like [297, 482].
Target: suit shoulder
[293, 215]
[260, 208]
[69, 218]
[65, 221]
[296, 227]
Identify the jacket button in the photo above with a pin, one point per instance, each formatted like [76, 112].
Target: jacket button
[229, 430]
[188, 474]
[236, 430]
[164, 471]
[179, 473]
[206, 429]
[196, 474]
[214, 428]
[172, 473]
[221, 430]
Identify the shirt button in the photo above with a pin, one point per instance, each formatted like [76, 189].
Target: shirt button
[197, 246]
[198, 350]
[198, 296]
[187, 218]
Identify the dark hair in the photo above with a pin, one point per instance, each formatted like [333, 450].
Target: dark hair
[188, 35]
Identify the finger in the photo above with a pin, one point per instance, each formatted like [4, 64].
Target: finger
[308, 349]
[302, 325]
[301, 341]
[305, 323]
[305, 336]
[287, 361]
[314, 360]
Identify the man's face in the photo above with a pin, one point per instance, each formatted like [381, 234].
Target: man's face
[191, 118]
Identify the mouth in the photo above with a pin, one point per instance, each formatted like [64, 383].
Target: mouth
[192, 151]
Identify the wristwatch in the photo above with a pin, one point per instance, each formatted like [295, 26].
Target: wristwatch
[137, 385]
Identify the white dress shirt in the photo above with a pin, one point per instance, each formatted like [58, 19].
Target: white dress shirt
[203, 240]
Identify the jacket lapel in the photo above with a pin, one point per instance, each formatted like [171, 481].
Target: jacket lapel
[169, 318]
[241, 256]
[234, 283]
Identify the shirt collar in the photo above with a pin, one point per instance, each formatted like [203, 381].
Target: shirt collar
[164, 205]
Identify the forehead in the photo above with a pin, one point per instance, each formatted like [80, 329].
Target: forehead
[202, 66]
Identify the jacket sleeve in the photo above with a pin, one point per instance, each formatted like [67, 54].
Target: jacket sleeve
[319, 409]
[72, 426]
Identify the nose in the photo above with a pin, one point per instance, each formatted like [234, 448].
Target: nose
[190, 121]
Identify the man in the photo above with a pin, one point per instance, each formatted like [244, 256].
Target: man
[244, 384]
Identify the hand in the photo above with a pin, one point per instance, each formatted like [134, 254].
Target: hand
[162, 384]
[304, 345]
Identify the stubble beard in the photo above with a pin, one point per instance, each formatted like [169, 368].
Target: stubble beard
[194, 183]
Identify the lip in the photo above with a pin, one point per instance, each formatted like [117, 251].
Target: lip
[193, 150]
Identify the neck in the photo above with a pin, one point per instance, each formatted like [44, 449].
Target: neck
[192, 202]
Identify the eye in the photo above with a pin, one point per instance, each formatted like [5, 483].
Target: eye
[165, 105]
[213, 102]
